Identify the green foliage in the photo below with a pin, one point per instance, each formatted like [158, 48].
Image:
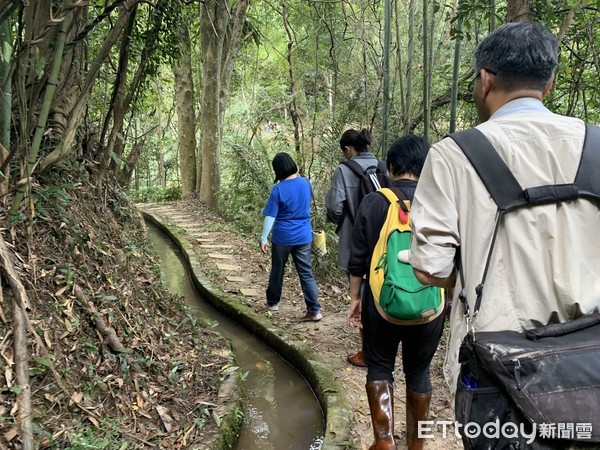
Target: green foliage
[105, 437]
[247, 181]
[157, 194]
[51, 201]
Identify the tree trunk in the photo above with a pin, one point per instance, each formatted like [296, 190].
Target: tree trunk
[426, 71]
[5, 83]
[69, 78]
[220, 37]
[292, 105]
[212, 35]
[130, 165]
[117, 107]
[115, 144]
[517, 11]
[186, 117]
[409, 65]
[387, 8]
[564, 26]
[21, 354]
[456, 68]
[5, 103]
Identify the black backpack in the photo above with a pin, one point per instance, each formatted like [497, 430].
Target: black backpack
[372, 179]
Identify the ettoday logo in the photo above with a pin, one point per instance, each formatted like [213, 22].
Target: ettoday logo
[508, 430]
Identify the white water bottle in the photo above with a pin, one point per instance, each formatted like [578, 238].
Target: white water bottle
[404, 256]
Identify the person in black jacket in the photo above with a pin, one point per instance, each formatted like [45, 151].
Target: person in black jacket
[404, 160]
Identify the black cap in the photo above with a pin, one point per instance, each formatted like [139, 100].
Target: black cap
[284, 166]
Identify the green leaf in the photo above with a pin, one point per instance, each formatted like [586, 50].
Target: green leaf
[43, 362]
[16, 389]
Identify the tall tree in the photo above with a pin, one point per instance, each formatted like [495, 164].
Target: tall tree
[220, 38]
[186, 116]
[293, 106]
[427, 71]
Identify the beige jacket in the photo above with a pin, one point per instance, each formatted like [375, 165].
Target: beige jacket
[546, 262]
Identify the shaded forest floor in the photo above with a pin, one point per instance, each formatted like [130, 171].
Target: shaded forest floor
[89, 274]
[241, 259]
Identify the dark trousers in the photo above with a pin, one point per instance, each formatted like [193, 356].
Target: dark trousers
[302, 256]
[381, 342]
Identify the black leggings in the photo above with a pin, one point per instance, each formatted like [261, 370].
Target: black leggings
[381, 341]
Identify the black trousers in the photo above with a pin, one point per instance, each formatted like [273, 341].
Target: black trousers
[381, 342]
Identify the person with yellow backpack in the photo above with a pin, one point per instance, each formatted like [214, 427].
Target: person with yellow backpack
[385, 310]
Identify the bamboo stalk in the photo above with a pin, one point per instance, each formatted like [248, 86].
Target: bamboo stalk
[77, 112]
[22, 188]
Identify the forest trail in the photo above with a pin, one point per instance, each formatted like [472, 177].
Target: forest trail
[235, 263]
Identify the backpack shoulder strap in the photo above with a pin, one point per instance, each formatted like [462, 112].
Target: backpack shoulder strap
[382, 166]
[587, 178]
[493, 171]
[354, 166]
[506, 190]
[395, 196]
[390, 194]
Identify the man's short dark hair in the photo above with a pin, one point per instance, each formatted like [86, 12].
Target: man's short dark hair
[523, 55]
[407, 154]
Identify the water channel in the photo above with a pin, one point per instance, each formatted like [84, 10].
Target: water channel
[282, 411]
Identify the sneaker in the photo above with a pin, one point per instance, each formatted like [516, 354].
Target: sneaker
[311, 317]
[271, 307]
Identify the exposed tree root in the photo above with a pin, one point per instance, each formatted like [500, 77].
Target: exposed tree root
[108, 333]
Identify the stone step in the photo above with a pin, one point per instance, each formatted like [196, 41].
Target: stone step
[231, 267]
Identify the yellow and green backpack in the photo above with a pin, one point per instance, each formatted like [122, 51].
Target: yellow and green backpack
[399, 297]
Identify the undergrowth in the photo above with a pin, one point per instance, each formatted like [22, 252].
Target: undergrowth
[85, 394]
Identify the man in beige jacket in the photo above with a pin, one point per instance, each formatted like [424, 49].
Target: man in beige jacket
[545, 264]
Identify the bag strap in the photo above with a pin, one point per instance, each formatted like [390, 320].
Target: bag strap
[396, 195]
[587, 175]
[382, 166]
[495, 174]
[358, 171]
[508, 194]
[354, 166]
[391, 194]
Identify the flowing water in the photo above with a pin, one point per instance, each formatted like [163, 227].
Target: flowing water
[282, 411]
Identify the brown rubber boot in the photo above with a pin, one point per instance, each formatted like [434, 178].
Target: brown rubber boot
[381, 404]
[357, 359]
[417, 408]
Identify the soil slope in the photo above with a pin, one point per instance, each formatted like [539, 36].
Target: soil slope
[114, 360]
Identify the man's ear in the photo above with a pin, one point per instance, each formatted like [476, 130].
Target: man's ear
[548, 86]
[485, 79]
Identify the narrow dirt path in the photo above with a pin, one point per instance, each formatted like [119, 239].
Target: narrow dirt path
[235, 263]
